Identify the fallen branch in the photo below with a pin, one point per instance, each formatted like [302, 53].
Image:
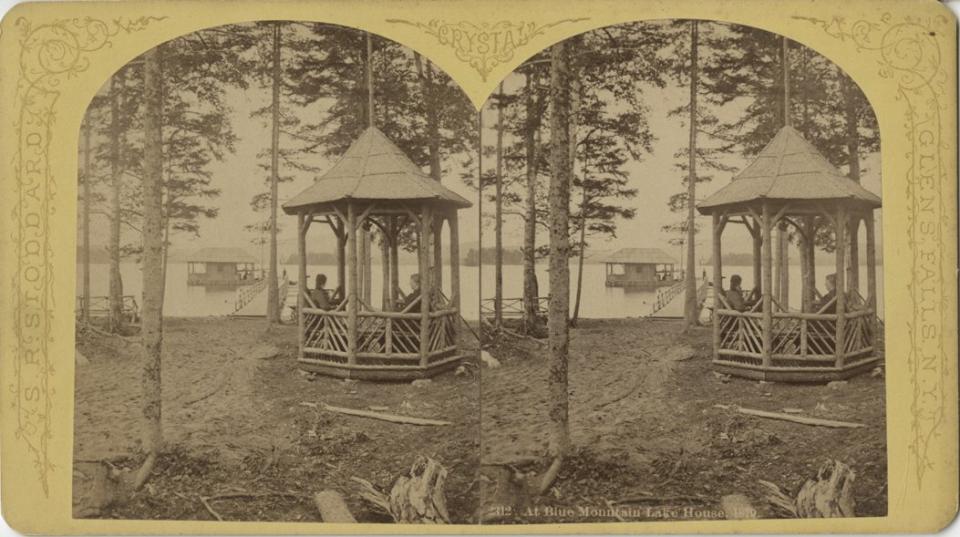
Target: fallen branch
[550, 475]
[210, 509]
[205, 500]
[522, 336]
[393, 418]
[628, 393]
[223, 382]
[799, 419]
[103, 333]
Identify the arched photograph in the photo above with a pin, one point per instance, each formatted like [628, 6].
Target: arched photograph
[275, 210]
[681, 272]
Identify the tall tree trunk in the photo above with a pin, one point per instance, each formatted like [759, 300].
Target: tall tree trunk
[115, 298]
[366, 252]
[530, 290]
[85, 224]
[853, 161]
[433, 105]
[572, 142]
[690, 313]
[273, 291]
[498, 221]
[558, 318]
[152, 316]
[583, 249]
[783, 240]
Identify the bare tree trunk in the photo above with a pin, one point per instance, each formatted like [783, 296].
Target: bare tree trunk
[115, 299]
[366, 253]
[152, 316]
[433, 105]
[558, 318]
[583, 249]
[273, 291]
[853, 161]
[572, 142]
[690, 313]
[498, 221]
[530, 290]
[87, 178]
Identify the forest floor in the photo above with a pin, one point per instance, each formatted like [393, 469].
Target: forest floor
[648, 441]
[234, 424]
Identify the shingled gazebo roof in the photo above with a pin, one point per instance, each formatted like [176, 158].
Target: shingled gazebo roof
[789, 168]
[373, 169]
[640, 256]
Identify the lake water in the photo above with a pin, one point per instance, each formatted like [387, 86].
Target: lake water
[598, 300]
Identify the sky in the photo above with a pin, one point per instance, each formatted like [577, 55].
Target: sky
[239, 178]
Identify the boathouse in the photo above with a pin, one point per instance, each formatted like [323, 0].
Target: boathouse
[221, 267]
[640, 268]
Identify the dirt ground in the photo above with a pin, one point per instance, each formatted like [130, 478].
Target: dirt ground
[236, 428]
[647, 440]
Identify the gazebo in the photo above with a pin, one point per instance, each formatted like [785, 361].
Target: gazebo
[792, 186]
[375, 185]
[640, 268]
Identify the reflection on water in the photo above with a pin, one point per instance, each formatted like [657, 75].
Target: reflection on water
[597, 301]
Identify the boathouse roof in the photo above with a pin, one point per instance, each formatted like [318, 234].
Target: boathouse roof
[372, 169]
[789, 168]
[220, 255]
[639, 256]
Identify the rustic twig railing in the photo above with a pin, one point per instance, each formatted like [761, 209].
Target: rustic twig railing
[100, 307]
[512, 307]
[800, 343]
[384, 340]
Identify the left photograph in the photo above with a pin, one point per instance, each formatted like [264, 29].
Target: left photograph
[272, 320]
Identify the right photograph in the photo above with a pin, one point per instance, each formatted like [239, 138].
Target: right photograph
[681, 282]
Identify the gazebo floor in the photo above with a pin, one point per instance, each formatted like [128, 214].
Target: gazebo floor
[796, 374]
[395, 373]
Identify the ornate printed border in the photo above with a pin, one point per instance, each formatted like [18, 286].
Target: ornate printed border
[908, 54]
[50, 54]
[484, 45]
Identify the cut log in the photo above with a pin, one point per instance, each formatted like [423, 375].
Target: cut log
[799, 419]
[830, 495]
[393, 418]
[332, 507]
[415, 498]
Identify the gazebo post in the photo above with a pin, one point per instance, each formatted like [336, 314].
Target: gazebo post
[426, 283]
[454, 262]
[853, 238]
[438, 250]
[717, 284]
[302, 226]
[757, 253]
[385, 291]
[767, 287]
[394, 262]
[841, 295]
[872, 277]
[341, 259]
[352, 283]
[809, 251]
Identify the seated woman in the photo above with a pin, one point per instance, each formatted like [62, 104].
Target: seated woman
[319, 295]
[412, 301]
[735, 297]
[827, 302]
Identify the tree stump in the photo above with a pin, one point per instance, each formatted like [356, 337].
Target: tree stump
[415, 498]
[830, 495]
[332, 508]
